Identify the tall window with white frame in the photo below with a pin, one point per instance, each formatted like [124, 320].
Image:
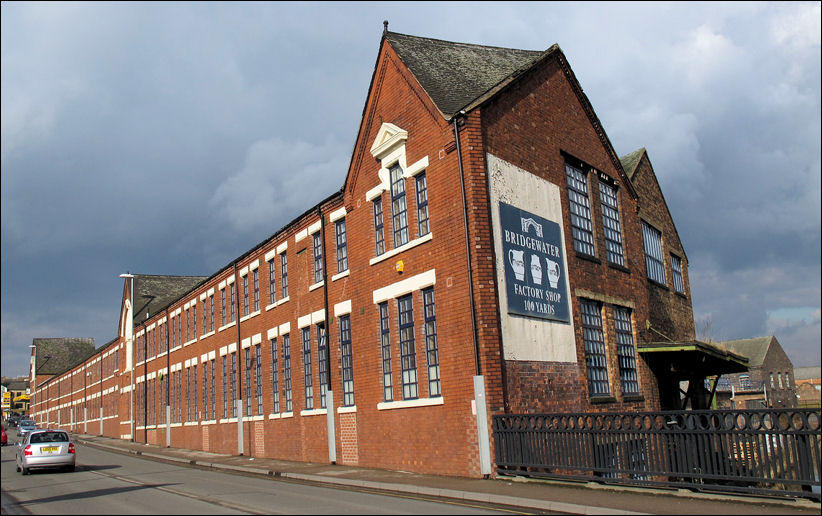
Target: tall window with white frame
[213, 389]
[654, 257]
[275, 378]
[287, 371]
[233, 384]
[580, 210]
[431, 348]
[179, 396]
[284, 275]
[422, 204]
[318, 257]
[347, 366]
[249, 365]
[322, 362]
[408, 353]
[205, 390]
[594, 340]
[342, 246]
[233, 298]
[194, 388]
[256, 274]
[385, 344]
[399, 212]
[211, 312]
[272, 284]
[188, 394]
[628, 377]
[225, 387]
[194, 319]
[676, 274]
[611, 224]
[258, 376]
[222, 302]
[205, 318]
[245, 295]
[308, 380]
[379, 233]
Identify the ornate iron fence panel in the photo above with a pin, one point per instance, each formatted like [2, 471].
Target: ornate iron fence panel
[768, 451]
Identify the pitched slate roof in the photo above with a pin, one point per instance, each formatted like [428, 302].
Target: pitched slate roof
[17, 385]
[154, 293]
[755, 349]
[456, 74]
[630, 161]
[55, 355]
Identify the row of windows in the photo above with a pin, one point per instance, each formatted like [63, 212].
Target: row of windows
[581, 220]
[191, 401]
[655, 259]
[583, 233]
[596, 356]
[156, 339]
[399, 210]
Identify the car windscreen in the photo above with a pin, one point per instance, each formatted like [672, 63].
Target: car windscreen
[49, 437]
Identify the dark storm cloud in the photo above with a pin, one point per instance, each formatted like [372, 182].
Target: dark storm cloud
[169, 138]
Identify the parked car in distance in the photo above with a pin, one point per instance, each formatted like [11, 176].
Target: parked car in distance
[45, 449]
[13, 419]
[24, 426]
[4, 439]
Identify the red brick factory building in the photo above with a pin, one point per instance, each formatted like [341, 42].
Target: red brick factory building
[488, 253]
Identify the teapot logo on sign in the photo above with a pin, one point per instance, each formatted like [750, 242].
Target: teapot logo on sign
[534, 276]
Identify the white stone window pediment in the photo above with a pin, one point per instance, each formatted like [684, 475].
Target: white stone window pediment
[389, 148]
[388, 137]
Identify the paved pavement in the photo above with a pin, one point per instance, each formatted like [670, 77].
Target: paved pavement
[527, 494]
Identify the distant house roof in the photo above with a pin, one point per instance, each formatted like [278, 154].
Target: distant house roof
[55, 355]
[154, 293]
[17, 385]
[456, 74]
[807, 373]
[630, 161]
[755, 349]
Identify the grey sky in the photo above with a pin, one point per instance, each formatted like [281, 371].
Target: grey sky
[169, 138]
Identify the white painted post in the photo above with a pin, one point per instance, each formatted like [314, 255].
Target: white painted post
[332, 436]
[168, 426]
[483, 437]
[239, 403]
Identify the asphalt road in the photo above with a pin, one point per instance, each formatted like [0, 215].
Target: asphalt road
[113, 483]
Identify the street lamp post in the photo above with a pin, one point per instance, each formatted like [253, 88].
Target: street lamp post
[33, 381]
[129, 347]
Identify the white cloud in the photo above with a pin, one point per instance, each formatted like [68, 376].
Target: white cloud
[798, 26]
[280, 180]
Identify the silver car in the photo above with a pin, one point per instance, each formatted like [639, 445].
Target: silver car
[24, 426]
[46, 449]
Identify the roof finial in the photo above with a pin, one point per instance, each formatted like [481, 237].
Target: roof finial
[384, 27]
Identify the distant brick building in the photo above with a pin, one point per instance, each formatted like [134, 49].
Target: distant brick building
[488, 253]
[808, 386]
[769, 382]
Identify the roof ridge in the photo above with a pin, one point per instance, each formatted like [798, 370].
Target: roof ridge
[461, 43]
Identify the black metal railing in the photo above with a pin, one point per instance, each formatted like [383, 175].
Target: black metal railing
[768, 451]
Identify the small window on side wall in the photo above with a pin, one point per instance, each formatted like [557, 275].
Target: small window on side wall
[676, 270]
[654, 258]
